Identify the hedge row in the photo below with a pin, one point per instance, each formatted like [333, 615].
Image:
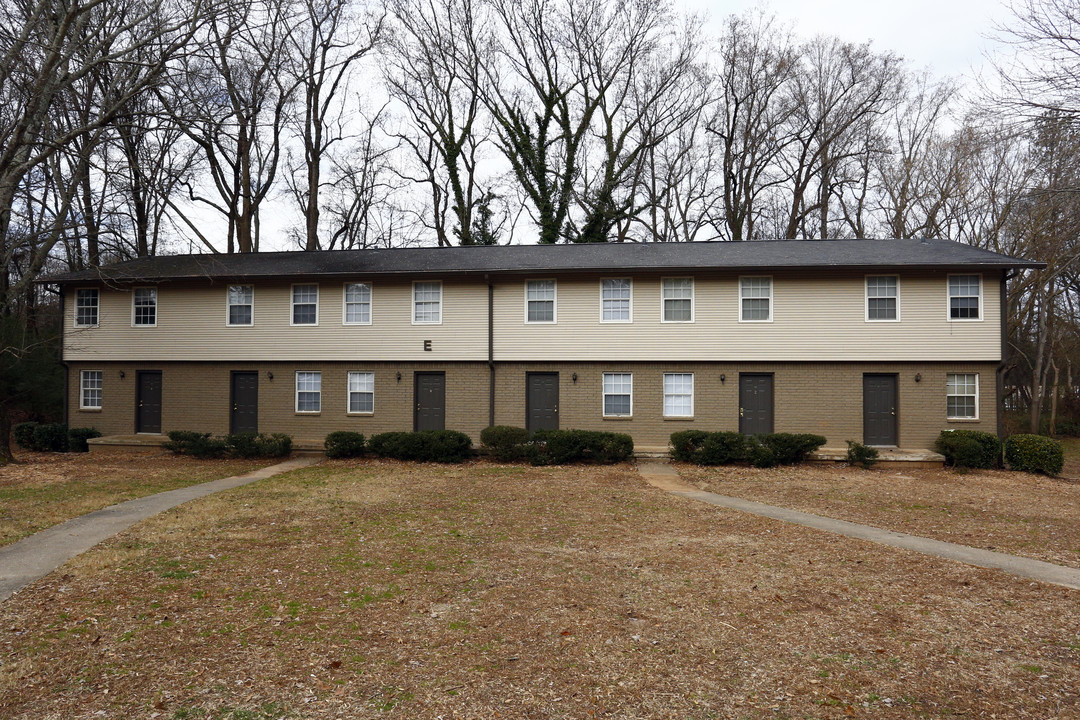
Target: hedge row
[969, 448]
[556, 447]
[446, 446]
[238, 445]
[52, 437]
[1034, 453]
[722, 448]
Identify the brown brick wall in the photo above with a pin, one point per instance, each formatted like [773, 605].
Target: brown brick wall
[824, 398]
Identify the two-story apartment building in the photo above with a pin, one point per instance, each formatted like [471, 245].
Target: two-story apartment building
[882, 341]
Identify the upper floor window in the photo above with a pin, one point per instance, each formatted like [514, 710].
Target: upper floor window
[540, 301]
[618, 394]
[241, 305]
[308, 392]
[305, 304]
[361, 392]
[965, 297]
[144, 306]
[615, 300]
[90, 389]
[755, 299]
[427, 303]
[678, 394]
[357, 304]
[86, 307]
[678, 299]
[962, 396]
[882, 297]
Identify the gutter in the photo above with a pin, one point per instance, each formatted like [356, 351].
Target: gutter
[491, 349]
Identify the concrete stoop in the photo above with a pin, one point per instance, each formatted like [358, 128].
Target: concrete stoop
[888, 458]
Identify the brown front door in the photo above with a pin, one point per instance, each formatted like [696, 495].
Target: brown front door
[879, 409]
[148, 401]
[430, 392]
[244, 417]
[755, 403]
[541, 401]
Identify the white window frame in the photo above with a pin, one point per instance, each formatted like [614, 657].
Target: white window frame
[947, 396]
[948, 298]
[630, 305]
[296, 392]
[229, 306]
[663, 300]
[345, 303]
[604, 394]
[413, 316]
[866, 298]
[554, 302]
[772, 292]
[83, 389]
[349, 393]
[97, 308]
[293, 304]
[666, 394]
[134, 296]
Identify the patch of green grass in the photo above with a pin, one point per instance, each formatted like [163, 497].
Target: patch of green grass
[1035, 669]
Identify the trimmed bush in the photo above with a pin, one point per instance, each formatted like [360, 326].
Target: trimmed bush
[1034, 453]
[969, 448]
[77, 438]
[792, 448]
[686, 445]
[198, 445]
[759, 452]
[723, 448]
[505, 442]
[24, 434]
[448, 446]
[859, 454]
[252, 445]
[344, 444]
[559, 447]
[51, 437]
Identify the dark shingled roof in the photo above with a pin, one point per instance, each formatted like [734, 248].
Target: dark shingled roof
[533, 259]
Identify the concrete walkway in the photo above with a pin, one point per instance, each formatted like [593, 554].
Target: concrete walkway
[663, 476]
[34, 557]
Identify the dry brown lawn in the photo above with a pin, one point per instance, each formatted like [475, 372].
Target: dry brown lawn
[370, 589]
[1029, 515]
[43, 489]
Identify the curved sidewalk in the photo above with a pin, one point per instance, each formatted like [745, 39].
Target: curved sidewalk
[34, 557]
[663, 476]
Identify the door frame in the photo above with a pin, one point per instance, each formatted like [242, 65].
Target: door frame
[232, 397]
[139, 374]
[895, 378]
[772, 398]
[528, 398]
[416, 395]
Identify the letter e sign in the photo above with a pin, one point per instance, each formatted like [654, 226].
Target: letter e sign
[427, 346]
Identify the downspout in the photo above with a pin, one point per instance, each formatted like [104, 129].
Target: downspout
[63, 363]
[1000, 373]
[491, 350]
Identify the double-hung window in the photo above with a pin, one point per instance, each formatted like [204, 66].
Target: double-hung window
[427, 303]
[361, 392]
[962, 396]
[755, 299]
[540, 301]
[357, 304]
[678, 394]
[615, 303]
[90, 389]
[241, 305]
[678, 298]
[882, 298]
[86, 307]
[965, 297]
[144, 307]
[308, 392]
[618, 394]
[305, 304]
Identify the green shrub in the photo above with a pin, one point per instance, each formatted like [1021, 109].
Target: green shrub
[722, 448]
[859, 454]
[77, 438]
[969, 448]
[198, 445]
[51, 437]
[505, 442]
[760, 453]
[252, 445]
[686, 444]
[1067, 428]
[447, 446]
[792, 448]
[1034, 453]
[24, 434]
[559, 447]
[344, 444]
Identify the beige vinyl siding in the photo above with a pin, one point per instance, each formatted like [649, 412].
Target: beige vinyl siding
[819, 318]
[191, 325]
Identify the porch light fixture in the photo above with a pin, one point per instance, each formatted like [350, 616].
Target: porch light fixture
[269, 375]
[574, 377]
[918, 377]
[122, 375]
[723, 377]
[399, 377]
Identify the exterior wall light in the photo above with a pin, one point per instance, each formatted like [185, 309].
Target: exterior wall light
[723, 377]
[574, 377]
[918, 377]
[269, 375]
[399, 376]
[122, 375]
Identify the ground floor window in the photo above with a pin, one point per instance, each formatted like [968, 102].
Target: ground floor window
[962, 396]
[361, 392]
[678, 394]
[90, 382]
[308, 392]
[618, 394]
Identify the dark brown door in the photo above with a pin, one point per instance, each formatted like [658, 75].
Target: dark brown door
[755, 403]
[541, 401]
[879, 409]
[148, 401]
[244, 417]
[430, 391]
